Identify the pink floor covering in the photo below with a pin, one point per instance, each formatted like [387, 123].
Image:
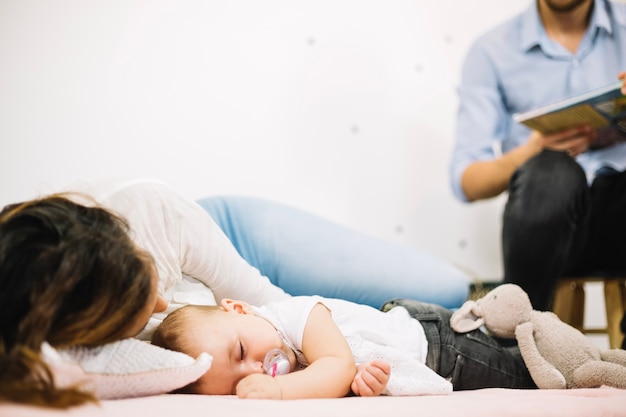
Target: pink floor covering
[605, 402]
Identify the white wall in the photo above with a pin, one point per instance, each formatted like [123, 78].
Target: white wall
[342, 107]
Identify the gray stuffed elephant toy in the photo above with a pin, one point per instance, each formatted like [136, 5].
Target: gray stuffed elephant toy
[556, 354]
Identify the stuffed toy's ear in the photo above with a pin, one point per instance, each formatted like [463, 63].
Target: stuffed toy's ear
[467, 318]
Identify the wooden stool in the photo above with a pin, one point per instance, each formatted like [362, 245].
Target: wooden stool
[569, 305]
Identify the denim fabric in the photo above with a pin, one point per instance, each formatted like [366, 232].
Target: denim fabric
[554, 224]
[470, 360]
[307, 255]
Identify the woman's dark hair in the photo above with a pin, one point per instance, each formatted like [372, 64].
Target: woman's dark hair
[69, 275]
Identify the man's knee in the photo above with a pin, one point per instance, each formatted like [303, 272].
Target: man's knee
[547, 186]
[551, 170]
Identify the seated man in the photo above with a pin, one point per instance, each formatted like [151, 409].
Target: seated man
[564, 214]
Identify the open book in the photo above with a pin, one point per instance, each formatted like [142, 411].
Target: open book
[603, 108]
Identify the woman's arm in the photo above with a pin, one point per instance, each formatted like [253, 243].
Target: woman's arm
[197, 247]
[207, 255]
[329, 374]
[184, 239]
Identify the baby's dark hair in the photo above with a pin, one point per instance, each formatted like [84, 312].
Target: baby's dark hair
[172, 334]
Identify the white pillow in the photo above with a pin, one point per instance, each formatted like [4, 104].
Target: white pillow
[128, 368]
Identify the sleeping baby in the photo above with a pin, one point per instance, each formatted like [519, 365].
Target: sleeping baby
[315, 347]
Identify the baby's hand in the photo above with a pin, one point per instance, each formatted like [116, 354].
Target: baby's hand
[371, 378]
[259, 386]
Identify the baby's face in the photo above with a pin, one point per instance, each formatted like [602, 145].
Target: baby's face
[238, 343]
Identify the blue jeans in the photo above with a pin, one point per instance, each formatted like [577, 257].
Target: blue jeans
[470, 360]
[554, 224]
[305, 255]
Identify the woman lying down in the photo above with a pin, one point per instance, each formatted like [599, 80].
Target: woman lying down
[314, 347]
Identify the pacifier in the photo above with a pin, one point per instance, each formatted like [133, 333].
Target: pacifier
[276, 363]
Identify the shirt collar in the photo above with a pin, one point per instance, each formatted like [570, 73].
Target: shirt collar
[532, 30]
[600, 18]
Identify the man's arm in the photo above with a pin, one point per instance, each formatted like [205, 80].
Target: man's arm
[486, 179]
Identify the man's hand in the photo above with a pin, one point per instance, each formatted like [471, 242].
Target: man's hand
[573, 141]
[371, 378]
